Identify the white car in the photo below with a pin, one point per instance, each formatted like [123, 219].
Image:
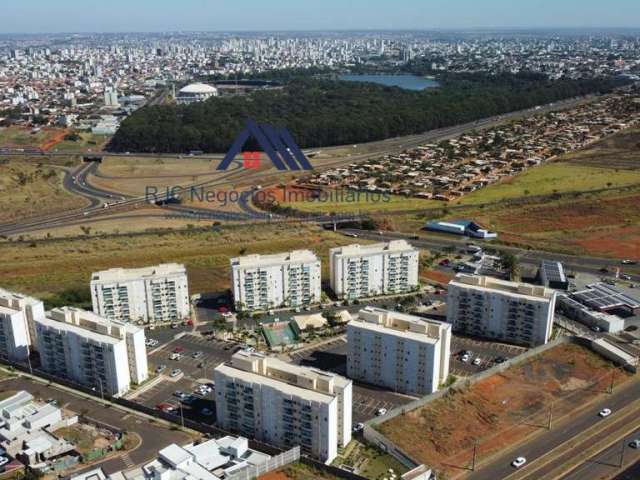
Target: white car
[465, 358]
[3, 461]
[381, 412]
[635, 443]
[518, 462]
[605, 412]
[175, 356]
[477, 361]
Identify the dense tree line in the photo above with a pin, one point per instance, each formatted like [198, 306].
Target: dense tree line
[322, 112]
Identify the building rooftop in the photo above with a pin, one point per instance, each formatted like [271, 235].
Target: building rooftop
[600, 296]
[304, 382]
[124, 274]
[484, 283]
[357, 249]
[16, 301]
[400, 324]
[196, 88]
[257, 260]
[88, 324]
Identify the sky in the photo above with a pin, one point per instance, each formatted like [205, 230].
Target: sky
[43, 16]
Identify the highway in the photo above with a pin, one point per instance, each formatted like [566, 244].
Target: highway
[584, 264]
[565, 430]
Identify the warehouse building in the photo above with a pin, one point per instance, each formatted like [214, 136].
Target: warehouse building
[460, 227]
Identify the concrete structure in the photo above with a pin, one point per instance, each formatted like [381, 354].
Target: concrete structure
[211, 460]
[400, 352]
[91, 350]
[111, 98]
[262, 282]
[26, 429]
[460, 227]
[359, 271]
[17, 327]
[513, 312]
[592, 318]
[196, 92]
[313, 320]
[283, 404]
[150, 295]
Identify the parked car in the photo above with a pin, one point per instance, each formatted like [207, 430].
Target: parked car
[381, 412]
[500, 360]
[175, 372]
[635, 443]
[628, 262]
[477, 361]
[465, 358]
[518, 462]
[161, 368]
[605, 412]
[197, 355]
[175, 356]
[3, 461]
[624, 276]
[359, 427]
[178, 350]
[206, 412]
[596, 328]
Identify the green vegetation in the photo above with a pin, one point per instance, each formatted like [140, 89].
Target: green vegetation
[302, 471]
[326, 112]
[369, 461]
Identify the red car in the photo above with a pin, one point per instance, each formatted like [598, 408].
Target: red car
[178, 350]
[223, 309]
[166, 407]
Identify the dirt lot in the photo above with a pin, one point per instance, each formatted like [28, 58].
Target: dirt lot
[502, 409]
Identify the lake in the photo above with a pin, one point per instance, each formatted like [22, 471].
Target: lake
[408, 82]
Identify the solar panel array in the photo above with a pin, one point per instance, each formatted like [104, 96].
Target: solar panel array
[603, 297]
[553, 271]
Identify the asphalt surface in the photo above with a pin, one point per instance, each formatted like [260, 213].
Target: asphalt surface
[567, 429]
[607, 463]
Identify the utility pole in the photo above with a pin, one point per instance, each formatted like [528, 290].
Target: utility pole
[622, 453]
[613, 376]
[101, 391]
[550, 416]
[475, 452]
[181, 415]
[29, 362]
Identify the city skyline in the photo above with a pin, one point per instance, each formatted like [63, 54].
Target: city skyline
[286, 15]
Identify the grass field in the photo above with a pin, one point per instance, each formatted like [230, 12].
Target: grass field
[22, 137]
[501, 410]
[87, 141]
[51, 269]
[27, 189]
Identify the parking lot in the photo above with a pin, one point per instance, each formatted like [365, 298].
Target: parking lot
[367, 399]
[486, 351]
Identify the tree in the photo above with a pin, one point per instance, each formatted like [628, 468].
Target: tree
[510, 263]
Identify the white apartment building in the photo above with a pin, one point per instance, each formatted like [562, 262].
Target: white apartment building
[397, 351]
[92, 350]
[283, 404]
[359, 271]
[290, 279]
[151, 294]
[508, 311]
[17, 327]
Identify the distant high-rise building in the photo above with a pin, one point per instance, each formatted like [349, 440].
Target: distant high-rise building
[111, 98]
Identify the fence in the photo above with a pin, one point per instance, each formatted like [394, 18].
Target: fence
[274, 463]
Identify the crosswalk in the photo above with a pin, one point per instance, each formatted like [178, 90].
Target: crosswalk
[126, 459]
